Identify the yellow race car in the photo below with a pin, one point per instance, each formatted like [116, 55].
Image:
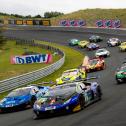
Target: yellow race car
[83, 44]
[71, 75]
[122, 47]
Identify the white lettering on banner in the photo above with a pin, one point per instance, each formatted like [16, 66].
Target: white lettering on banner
[28, 59]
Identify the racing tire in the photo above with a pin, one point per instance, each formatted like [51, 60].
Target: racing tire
[118, 82]
[36, 116]
[81, 101]
[99, 92]
[103, 67]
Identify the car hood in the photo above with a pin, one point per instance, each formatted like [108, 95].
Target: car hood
[54, 100]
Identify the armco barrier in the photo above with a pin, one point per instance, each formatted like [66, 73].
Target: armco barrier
[107, 31]
[21, 80]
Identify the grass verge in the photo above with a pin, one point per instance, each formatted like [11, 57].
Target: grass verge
[8, 70]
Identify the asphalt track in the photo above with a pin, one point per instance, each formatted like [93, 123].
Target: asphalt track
[110, 111]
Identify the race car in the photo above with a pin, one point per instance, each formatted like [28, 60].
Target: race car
[113, 42]
[120, 74]
[102, 53]
[71, 75]
[67, 98]
[92, 46]
[21, 98]
[73, 42]
[94, 64]
[95, 38]
[122, 47]
[83, 44]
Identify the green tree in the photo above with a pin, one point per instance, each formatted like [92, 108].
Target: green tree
[52, 14]
[37, 16]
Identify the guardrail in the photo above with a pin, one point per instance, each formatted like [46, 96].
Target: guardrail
[92, 30]
[24, 79]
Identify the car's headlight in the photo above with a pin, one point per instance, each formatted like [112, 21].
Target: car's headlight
[37, 106]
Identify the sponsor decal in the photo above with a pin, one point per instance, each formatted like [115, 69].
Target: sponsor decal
[28, 59]
[72, 23]
[108, 23]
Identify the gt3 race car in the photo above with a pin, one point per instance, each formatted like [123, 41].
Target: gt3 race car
[113, 42]
[83, 44]
[121, 74]
[67, 98]
[122, 47]
[95, 64]
[73, 42]
[21, 98]
[71, 75]
[102, 53]
[95, 38]
[92, 46]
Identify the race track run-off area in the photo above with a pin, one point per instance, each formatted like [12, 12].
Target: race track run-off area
[110, 111]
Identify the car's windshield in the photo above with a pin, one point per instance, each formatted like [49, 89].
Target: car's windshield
[101, 50]
[19, 92]
[70, 73]
[113, 39]
[63, 90]
[74, 40]
[92, 62]
[123, 68]
[82, 42]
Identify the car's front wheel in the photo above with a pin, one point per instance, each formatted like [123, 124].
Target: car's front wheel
[36, 116]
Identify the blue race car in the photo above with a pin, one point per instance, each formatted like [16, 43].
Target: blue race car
[92, 46]
[21, 98]
[67, 98]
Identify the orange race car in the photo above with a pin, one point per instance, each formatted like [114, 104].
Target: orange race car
[94, 64]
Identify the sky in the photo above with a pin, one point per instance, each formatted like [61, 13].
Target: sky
[34, 7]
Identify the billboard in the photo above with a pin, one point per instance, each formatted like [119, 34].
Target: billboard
[19, 22]
[46, 22]
[108, 23]
[29, 59]
[29, 22]
[72, 23]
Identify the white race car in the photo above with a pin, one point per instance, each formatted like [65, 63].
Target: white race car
[113, 42]
[102, 53]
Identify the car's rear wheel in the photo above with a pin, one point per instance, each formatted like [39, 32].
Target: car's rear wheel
[99, 92]
[103, 66]
[81, 101]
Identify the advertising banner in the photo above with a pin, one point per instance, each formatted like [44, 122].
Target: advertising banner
[19, 22]
[28, 59]
[46, 22]
[108, 23]
[29, 22]
[72, 23]
[64, 23]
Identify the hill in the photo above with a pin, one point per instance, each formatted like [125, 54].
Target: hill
[91, 15]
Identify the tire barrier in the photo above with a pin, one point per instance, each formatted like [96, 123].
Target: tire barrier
[14, 82]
